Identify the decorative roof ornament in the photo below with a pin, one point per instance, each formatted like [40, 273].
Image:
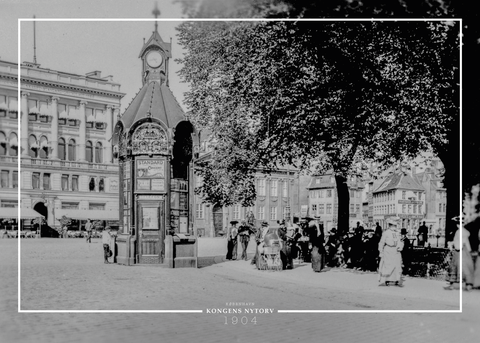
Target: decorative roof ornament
[156, 13]
[149, 138]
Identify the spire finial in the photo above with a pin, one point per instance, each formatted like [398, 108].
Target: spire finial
[34, 43]
[156, 13]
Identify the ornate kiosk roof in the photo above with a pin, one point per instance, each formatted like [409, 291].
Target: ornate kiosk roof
[155, 101]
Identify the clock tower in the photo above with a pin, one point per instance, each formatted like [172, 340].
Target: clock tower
[154, 142]
[155, 55]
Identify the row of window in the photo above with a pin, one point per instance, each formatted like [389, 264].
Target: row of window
[321, 193]
[10, 103]
[8, 146]
[64, 121]
[40, 148]
[391, 209]
[262, 186]
[273, 214]
[442, 207]
[387, 196]
[322, 209]
[441, 195]
[76, 206]
[9, 179]
[66, 151]
[68, 182]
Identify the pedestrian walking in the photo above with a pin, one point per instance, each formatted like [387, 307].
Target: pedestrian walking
[462, 246]
[331, 248]
[422, 235]
[317, 239]
[390, 248]
[64, 231]
[106, 239]
[370, 251]
[88, 229]
[232, 232]
[244, 231]
[259, 238]
[378, 232]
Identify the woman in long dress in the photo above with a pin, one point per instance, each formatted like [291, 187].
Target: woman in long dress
[458, 248]
[232, 232]
[390, 248]
[317, 239]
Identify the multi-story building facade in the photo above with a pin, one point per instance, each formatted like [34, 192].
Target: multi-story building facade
[398, 194]
[435, 197]
[278, 198]
[323, 200]
[66, 123]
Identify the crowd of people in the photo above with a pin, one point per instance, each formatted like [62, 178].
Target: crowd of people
[357, 249]
[387, 251]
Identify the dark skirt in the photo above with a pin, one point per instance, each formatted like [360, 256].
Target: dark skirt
[453, 267]
[232, 249]
[318, 259]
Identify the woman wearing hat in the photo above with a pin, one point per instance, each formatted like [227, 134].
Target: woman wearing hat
[390, 248]
[467, 262]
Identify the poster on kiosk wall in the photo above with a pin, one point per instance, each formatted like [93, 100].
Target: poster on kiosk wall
[150, 174]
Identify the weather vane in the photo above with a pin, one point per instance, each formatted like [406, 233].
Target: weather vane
[156, 13]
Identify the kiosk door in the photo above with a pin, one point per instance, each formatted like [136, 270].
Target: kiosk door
[151, 231]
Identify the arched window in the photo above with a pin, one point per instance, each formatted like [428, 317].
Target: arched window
[3, 144]
[89, 152]
[71, 150]
[13, 144]
[91, 185]
[101, 185]
[98, 153]
[62, 152]
[43, 149]
[33, 146]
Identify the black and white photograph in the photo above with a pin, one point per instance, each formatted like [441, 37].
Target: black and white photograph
[239, 171]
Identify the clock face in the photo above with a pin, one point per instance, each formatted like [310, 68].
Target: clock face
[154, 59]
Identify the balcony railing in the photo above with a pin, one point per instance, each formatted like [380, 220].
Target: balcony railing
[61, 163]
[9, 159]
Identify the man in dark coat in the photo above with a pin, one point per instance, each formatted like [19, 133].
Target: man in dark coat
[244, 231]
[406, 252]
[422, 235]
[331, 248]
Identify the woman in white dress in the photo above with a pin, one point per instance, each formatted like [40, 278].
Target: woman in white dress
[390, 248]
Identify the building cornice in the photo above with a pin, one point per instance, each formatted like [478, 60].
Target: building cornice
[63, 86]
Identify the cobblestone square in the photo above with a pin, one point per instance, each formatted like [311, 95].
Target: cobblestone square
[69, 275]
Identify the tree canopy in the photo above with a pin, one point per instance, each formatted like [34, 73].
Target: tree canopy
[331, 94]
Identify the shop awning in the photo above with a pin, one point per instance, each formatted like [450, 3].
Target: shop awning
[87, 214]
[25, 213]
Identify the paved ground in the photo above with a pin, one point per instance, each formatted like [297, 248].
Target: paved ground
[70, 275]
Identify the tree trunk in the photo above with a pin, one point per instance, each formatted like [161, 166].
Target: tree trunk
[343, 205]
[450, 157]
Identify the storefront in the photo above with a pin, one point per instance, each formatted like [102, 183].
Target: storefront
[9, 217]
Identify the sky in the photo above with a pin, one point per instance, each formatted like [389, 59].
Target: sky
[79, 47]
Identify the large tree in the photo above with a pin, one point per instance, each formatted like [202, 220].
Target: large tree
[329, 95]
[450, 149]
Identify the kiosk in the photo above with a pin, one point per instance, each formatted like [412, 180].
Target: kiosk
[153, 142]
